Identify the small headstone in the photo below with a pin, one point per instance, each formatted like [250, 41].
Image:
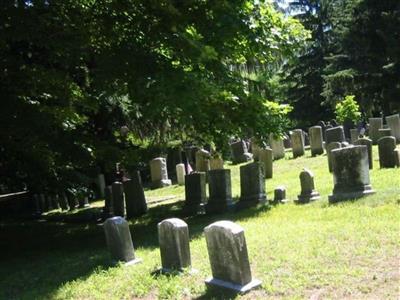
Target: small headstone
[329, 148]
[353, 135]
[374, 125]
[308, 192]
[240, 152]
[216, 163]
[335, 134]
[220, 191]
[101, 184]
[350, 173]
[277, 146]
[393, 123]
[297, 139]
[108, 202]
[396, 153]
[266, 161]
[280, 195]
[173, 238]
[386, 146]
[195, 192]
[118, 199]
[316, 140]
[159, 173]
[252, 185]
[119, 240]
[202, 160]
[229, 259]
[134, 196]
[368, 143]
[180, 173]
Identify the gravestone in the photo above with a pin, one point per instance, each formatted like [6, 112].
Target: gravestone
[134, 196]
[101, 184]
[216, 163]
[266, 158]
[393, 123]
[297, 140]
[252, 185]
[386, 146]
[323, 127]
[220, 191]
[173, 238]
[119, 240]
[384, 132]
[240, 152]
[255, 149]
[227, 251]
[280, 195]
[277, 146]
[350, 173]
[159, 173]
[195, 192]
[55, 200]
[335, 134]
[308, 192]
[287, 142]
[202, 160]
[118, 199]
[374, 125]
[83, 201]
[329, 148]
[63, 201]
[108, 202]
[334, 123]
[306, 139]
[396, 153]
[368, 143]
[174, 157]
[316, 140]
[180, 173]
[353, 135]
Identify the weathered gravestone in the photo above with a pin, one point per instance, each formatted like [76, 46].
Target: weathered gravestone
[108, 203]
[266, 161]
[374, 125]
[173, 238]
[195, 192]
[393, 123]
[308, 192]
[202, 160]
[280, 195]
[119, 240]
[368, 143]
[255, 149]
[180, 173]
[353, 135]
[252, 185]
[306, 139]
[240, 152]
[386, 146]
[277, 146]
[134, 196]
[335, 134]
[101, 184]
[316, 140]
[216, 163]
[159, 173]
[397, 157]
[323, 127]
[227, 251]
[350, 173]
[329, 148]
[118, 199]
[220, 191]
[384, 132]
[297, 139]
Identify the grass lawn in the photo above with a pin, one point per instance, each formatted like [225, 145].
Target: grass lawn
[317, 250]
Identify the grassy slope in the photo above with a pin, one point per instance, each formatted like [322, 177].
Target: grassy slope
[349, 250]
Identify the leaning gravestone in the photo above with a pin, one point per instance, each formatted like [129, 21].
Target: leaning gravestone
[118, 199]
[280, 195]
[227, 250]
[329, 148]
[368, 143]
[180, 173]
[277, 147]
[195, 192]
[119, 240]
[393, 123]
[252, 185]
[335, 134]
[266, 160]
[202, 160]
[159, 173]
[316, 140]
[374, 125]
[134, 196]
[220, 191]
[386, 146]
[173, 238]
[308, 192]
[350, 173]
[297, 139]
[240, 153]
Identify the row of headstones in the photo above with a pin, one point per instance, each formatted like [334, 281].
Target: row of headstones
[47, 202]
[226, 245]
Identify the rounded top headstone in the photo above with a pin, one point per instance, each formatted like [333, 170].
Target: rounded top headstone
[226, 225]
[175, 222]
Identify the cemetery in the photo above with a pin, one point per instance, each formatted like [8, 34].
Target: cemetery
[199, 150]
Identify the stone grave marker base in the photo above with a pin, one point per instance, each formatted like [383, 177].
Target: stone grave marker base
[337, 197]
[214, 282]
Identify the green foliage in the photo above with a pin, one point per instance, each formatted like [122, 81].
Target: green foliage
[348, 109]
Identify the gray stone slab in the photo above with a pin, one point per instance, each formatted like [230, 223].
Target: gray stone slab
[220, 191]
[393, 123]
[374, 125]
[386, 146]
[266, 160]
[252, 185]
[195, 192]
[335, 134]
[316, 140]
[308, 192]
[297, 140]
